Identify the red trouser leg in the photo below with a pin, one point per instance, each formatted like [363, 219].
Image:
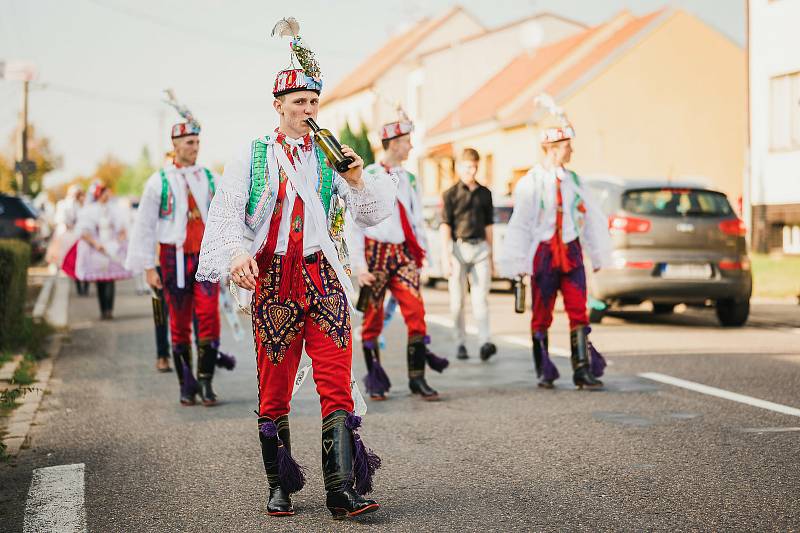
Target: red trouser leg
[573, 288]
[179, 300]
[372, 323]
[332, 369]
[275, 382]
[206, 308]
[544, 286]
[404, 285]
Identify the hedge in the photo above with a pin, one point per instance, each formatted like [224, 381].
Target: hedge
[14, 260]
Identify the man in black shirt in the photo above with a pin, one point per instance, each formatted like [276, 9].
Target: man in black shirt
[467, 218]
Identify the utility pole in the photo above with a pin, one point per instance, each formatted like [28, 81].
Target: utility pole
[24, 72]
[23, 165]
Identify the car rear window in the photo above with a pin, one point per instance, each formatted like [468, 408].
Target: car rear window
[11, 207]
[671, 202]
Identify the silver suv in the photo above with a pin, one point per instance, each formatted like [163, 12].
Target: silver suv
[673, 243]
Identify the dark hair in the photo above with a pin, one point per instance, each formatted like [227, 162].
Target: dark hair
[470, 154]
[385, 143]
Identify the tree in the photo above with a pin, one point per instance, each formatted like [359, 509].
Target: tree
[359, 143]
[39, 151]
[134, 177]
[365, 147]
[110, 171]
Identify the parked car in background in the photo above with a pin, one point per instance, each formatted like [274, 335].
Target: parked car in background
[432, 211]
[19, 220]
[674, 243]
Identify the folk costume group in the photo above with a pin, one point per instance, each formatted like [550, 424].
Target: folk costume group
[282, 224]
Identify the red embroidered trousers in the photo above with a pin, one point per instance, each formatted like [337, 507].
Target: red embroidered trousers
[320, 320]
[547, 280]
[394, 269]
[198, 297]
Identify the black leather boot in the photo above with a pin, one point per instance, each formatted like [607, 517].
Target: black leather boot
[338, 449]
[539, 342]
[582, 373]
[206, 362]
[416, 371]
[279, 503]
[182, 358]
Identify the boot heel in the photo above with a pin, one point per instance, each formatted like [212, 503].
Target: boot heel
[338, 513]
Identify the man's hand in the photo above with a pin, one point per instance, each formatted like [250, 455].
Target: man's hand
[353, 176]
[244, 271]
[366, 278]
[153, 279]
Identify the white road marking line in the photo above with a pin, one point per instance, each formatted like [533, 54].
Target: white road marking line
[510, 339]
[56, 500]
[770, 430]
[721, 393]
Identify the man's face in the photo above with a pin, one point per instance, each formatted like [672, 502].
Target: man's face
[186, 149]
[401, 147]
[467, 170]
[560, 152]
[294, 108]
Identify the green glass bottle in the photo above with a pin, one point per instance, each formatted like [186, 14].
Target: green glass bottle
[331, 147]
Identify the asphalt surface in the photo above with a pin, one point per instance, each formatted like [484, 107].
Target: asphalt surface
[495, 454]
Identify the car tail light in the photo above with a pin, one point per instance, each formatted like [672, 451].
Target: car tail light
[727, 264]
[622, 224]
[734, 227]
[28, 224]
[639, 265]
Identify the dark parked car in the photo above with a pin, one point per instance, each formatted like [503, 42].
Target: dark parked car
[673, 244]
[19, 220]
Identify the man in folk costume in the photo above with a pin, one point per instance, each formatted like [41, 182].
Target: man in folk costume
[280, 192]
[555, 221]
[172, 214]
[389, 256]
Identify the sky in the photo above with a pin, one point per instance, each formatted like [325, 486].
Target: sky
[103, 64]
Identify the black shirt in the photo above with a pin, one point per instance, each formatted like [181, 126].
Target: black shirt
[467, 212]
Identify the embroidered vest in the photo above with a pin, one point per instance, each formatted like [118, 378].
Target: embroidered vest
[261, 195]
[167, 209]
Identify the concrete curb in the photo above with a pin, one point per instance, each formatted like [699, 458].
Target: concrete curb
[21, 419]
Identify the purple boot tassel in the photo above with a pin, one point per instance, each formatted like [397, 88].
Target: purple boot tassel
[365, 461]
[549, 370]
[226, 361]
[434, 361]
[290, 473]
[376, 381]
[596, 359]
[189, 387]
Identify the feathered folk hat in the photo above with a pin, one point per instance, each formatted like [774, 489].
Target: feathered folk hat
[306, 78]
[182, 129]
[398, 128]
[562, 129]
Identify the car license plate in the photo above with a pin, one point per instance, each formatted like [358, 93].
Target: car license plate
[687, 271]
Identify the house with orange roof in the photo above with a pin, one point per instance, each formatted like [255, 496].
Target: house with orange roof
[659, 95]
[409, 68]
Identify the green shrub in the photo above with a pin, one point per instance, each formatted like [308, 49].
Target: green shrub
[14, 259]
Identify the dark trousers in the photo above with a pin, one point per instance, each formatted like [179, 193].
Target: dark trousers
[105, 295]
[82, 287]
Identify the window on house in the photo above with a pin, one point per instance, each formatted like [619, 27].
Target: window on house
[785, 112]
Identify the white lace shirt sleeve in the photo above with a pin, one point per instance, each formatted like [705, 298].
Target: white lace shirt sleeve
[373, 203]
[225, 226]
[142, 240]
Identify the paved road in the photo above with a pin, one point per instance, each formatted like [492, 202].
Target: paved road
[496, 454]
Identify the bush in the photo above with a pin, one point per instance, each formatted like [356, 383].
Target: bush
[14, 260]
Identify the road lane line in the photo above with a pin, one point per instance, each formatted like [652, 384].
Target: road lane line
[56, 500]
[721, 393]
[440, 320]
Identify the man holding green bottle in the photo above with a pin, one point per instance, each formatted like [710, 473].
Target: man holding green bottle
[280, 192]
